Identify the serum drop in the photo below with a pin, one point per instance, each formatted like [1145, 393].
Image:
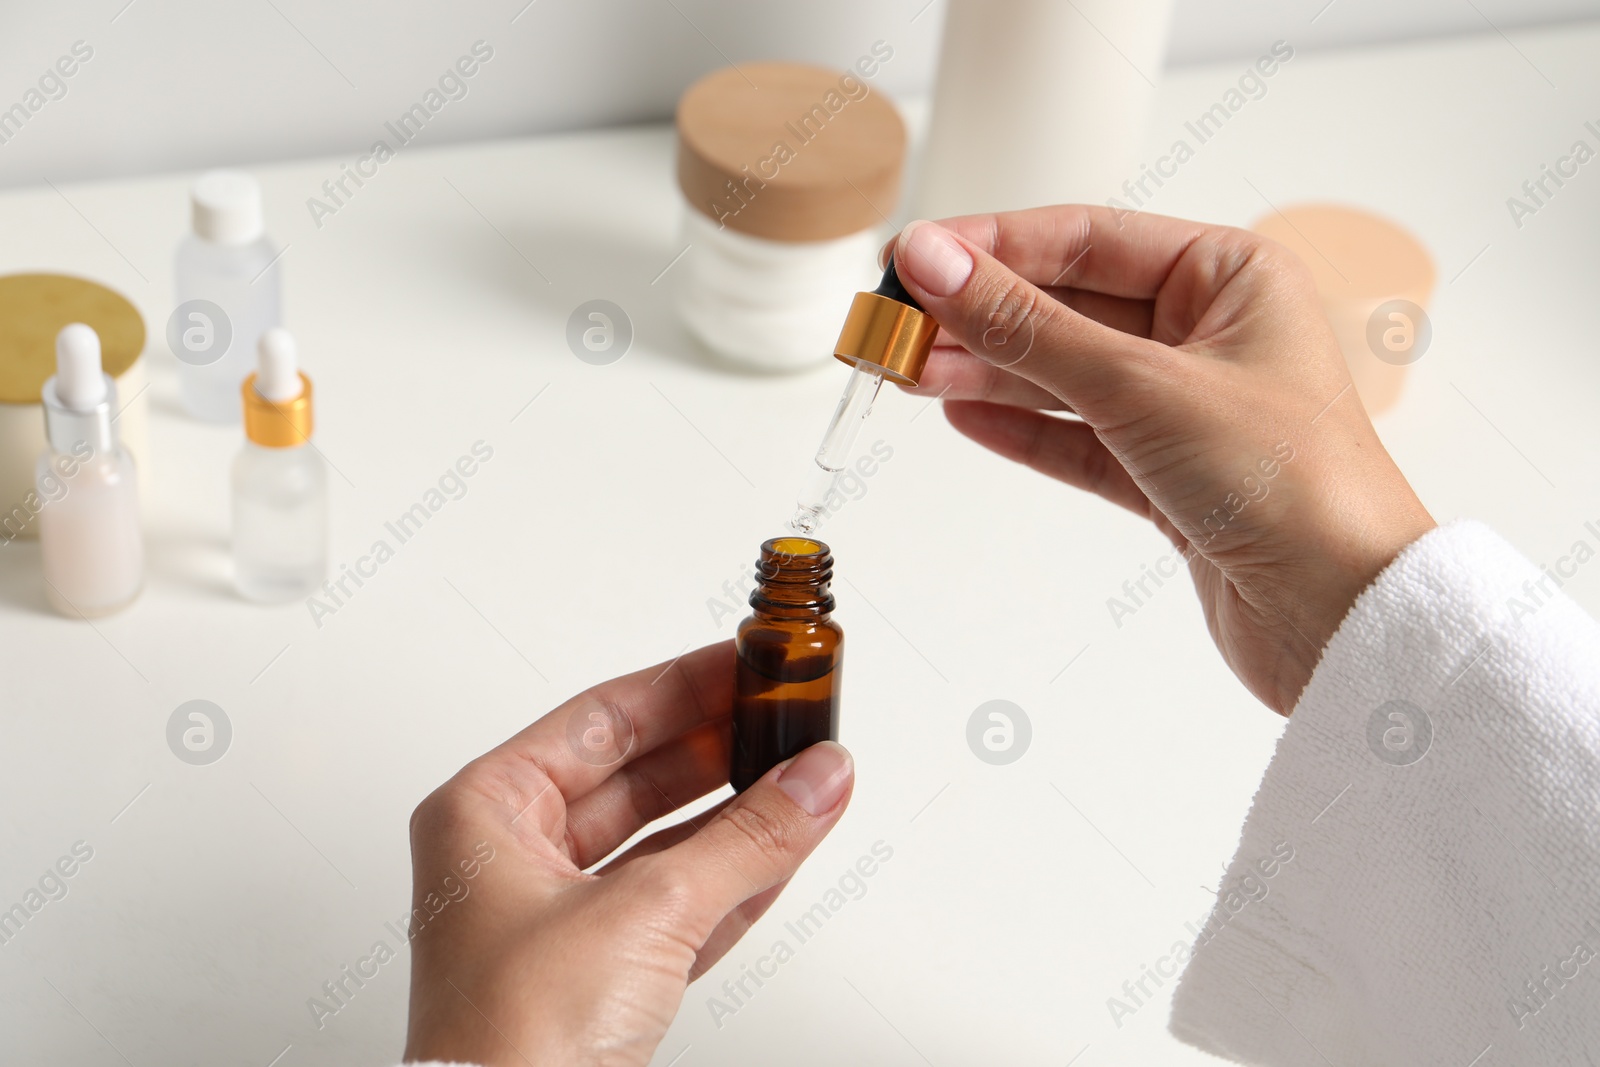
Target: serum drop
[89, 541]
[280, 484]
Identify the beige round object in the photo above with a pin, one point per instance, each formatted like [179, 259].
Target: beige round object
[33, 309]
[789, 152]
[1362, 262]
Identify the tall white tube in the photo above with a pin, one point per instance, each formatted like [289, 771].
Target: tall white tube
[1039, 102]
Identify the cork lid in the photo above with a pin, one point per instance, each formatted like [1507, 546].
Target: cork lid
[810, 153]
[34, 307]
[1353, 254]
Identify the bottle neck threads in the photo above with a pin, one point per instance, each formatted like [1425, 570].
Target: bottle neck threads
[792, 579]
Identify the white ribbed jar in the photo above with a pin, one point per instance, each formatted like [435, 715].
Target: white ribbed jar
[770, 305]
[787, 189]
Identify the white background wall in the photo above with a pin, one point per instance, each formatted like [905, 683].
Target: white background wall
[184, 84]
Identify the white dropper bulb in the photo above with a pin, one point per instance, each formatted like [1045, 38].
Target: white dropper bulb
[80, 383]
[278, 369]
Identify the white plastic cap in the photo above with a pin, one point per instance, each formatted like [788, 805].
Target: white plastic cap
[80, 383]
[278, 366]
[226, 207]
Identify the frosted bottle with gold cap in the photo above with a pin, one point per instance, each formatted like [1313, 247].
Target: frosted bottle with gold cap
[90, 547]
[280, 484]
[788, 172]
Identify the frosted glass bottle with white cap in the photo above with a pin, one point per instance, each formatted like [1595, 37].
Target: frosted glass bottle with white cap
[228, 262]
[280, 483]
[89, 541]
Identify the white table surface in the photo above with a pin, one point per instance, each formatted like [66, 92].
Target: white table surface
[1018, 898]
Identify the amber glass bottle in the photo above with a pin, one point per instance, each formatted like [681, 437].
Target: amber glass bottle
[786, 688]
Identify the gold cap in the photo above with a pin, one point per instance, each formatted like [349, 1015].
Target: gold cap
[887, 333]
[275, 424]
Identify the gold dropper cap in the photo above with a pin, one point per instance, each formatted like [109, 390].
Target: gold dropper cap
[277, 424]
[888, 329]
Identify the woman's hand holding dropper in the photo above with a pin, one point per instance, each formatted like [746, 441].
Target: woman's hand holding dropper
[1204, 391]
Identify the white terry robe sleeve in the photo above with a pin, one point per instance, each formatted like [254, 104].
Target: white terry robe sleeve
[1438, 791]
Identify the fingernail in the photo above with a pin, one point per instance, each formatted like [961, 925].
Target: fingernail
[817, 778]
[931, 256]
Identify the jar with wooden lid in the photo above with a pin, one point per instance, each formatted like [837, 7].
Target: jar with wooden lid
[789, 174]
[1374, 278]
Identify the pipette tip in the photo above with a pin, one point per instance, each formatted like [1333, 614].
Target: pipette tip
[805, 521]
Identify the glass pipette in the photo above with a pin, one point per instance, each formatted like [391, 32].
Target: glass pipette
[838, 445]
[885, 335]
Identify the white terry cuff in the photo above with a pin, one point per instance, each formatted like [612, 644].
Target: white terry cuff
[1437, 789]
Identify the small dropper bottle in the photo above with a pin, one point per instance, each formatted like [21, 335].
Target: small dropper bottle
[90, 545]
[280, 483]
[885, 335]
[789, 658]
